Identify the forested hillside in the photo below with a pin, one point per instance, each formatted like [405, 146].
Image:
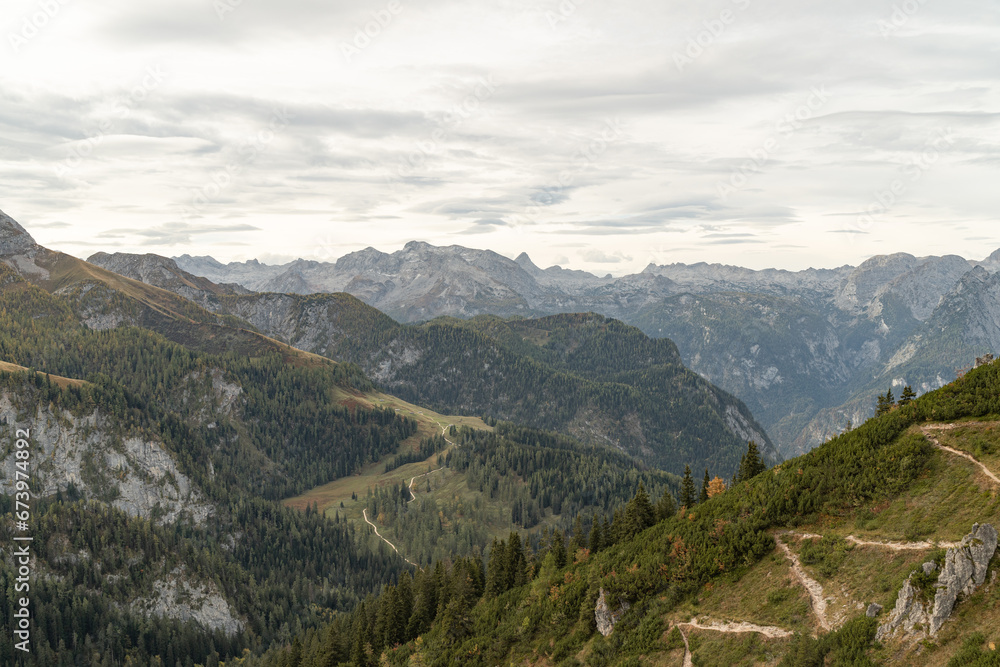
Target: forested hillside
[586, 375]
[737, 560]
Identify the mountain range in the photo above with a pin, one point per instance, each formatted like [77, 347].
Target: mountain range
[806, 351]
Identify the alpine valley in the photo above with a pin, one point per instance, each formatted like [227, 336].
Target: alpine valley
[445, 457]
[806, 351]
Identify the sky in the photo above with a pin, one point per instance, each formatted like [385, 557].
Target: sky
[591, 134]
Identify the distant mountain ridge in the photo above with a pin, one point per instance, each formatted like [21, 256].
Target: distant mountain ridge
[595, 378]
[807, 351]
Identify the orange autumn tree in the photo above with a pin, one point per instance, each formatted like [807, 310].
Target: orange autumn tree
[715, 487]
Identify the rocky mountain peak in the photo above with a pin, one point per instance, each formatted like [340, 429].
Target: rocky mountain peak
[13, 237]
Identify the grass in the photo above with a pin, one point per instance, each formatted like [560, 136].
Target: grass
[765, 594]
[981, 439]
[715, 649]
[941, 505]
[56, 379]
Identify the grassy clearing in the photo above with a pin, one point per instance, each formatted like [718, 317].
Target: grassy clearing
[941, 505]
[765, 594]
[716, 649]
[56, 379]
[980, 439]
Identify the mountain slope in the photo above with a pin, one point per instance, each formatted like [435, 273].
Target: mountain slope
[856, 322]
[877, 548]
[594, 378]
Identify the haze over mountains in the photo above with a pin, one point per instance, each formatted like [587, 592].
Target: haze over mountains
[807, 351]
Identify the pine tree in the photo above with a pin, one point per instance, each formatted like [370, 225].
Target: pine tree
[751, 464]
[579, 540]
[639, 513]
[703, 496]
[558, 549]
[716, 487]
[687, 489]
[666, 507]
[907, 396]
[596, 539]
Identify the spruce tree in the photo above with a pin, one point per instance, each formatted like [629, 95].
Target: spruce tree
[907, 396]
[703, 496]
[596, 539]
[579, 540]
[688, 497]
[666, 507]
[751, 464]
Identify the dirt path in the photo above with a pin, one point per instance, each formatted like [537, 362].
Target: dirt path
[687, 650]
[811, 585]
[902, 546]
[892, 546]
[768, 631]
[410, 486]
[947, 427]
[364, 513]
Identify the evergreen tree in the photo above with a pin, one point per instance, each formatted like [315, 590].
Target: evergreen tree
[639, 513]
[666, 507]
[751, 465]
[558, 549]
[596, 539]
[703, 496]
[579, 540]
[907, 396]
[688, 496]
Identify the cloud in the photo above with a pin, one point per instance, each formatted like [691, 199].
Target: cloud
[600, 257]
[175, 233]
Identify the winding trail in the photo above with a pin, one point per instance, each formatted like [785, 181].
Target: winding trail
[811, 585]
[410, 486]
[364, 513]
[902, 546]
[769, 631]
[965, 455]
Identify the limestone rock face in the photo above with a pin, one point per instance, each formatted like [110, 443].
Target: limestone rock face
[13, 237]
[874, 609]
[606, 619]
[963, 573]
[178, 597]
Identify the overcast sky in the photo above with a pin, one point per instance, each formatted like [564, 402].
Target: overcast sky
[593, 134]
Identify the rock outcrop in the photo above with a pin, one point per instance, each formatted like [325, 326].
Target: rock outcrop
[605, 618]
[964, 571]
[179, 598]
[134, 474]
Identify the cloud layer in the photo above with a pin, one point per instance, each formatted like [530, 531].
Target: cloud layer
[610, 135]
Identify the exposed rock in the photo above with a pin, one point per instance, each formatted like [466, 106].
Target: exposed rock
[177, 597]
[964, 571]
[134, 474]
[14, 238]
[930, 568]
[874, 609]
[605, 618]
